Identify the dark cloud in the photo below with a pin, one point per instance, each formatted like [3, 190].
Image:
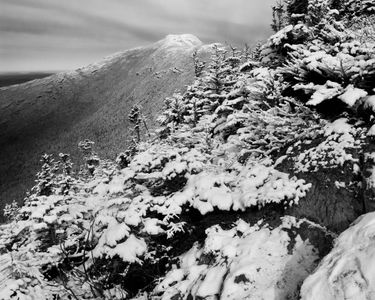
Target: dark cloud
[52, 34]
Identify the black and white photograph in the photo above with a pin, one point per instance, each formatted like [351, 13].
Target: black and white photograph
[187, 149]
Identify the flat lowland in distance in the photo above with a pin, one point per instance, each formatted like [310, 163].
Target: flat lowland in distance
[52, 114]
[7, 79]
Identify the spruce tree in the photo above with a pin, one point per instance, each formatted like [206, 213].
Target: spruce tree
[66, 181]
[235, 57]
[297, 7]
[137, 119]
[46, 178]
[90, 157]
[216, 70]
[198, 64]
[278, 16]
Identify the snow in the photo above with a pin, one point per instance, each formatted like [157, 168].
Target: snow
[371, 178]
[171, 42]
[324, 92]
[151, 226]
[171, 169]
[116, 185]
[340, 184]
[347, 272]
[339, 126]
[255, 186]
[371, 131]
[114, 233]
[262, 185]
[50, 219]
[212, 282]
[351, 95]
[369, 102]
[255, 264]
[101, 189]
[278, 37]
[341, 137]
[129, 250]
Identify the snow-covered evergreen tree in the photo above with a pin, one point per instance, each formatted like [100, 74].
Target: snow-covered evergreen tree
[199, 65]
[46, 177]
[65, 180]
[138, 120]
[91, 158]
[278, 16]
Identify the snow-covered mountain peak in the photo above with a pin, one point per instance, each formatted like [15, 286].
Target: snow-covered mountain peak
[180, 40]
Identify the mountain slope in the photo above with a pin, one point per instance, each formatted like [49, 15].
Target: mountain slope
[8, 79]
[55, 113]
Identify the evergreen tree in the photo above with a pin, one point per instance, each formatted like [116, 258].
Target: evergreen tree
[174, 109]
[91, 158]
[246, 53]
[11, 211]
[256, 52]
[297, 7]
[124, 158]
[86, 147]
[66, 181]
[278, 16]
[216, 70]
[46, 178]
[66, 163]
[234, 58]
[137, 119]
[198, 64]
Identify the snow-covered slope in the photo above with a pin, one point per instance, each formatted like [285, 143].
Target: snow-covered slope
[55, 113]
[245, 262]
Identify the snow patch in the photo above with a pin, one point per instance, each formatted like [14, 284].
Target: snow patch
[245, 262]
[339, 126]
[352, 95]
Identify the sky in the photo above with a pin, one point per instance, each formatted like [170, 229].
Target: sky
[55, 35]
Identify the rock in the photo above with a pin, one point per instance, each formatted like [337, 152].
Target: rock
[245, 261]
[347, 272]
[331, 162]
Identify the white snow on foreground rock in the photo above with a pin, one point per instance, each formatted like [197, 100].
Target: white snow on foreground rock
[245, 262]
[348, 271]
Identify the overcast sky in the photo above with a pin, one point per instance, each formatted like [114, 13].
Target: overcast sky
[40, 35]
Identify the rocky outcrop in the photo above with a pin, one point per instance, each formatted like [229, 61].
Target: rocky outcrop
[347, 272]
[247, 262]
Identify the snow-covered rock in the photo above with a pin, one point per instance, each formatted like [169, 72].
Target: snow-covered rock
[347, 272]
[244, 262]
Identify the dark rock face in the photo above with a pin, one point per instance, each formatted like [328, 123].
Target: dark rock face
[53, 114]
[339, 193]
[327, 204]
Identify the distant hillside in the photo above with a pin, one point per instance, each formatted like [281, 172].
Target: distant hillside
[54, 113]
[8, 79]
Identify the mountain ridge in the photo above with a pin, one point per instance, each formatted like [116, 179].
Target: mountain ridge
[91, 102]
